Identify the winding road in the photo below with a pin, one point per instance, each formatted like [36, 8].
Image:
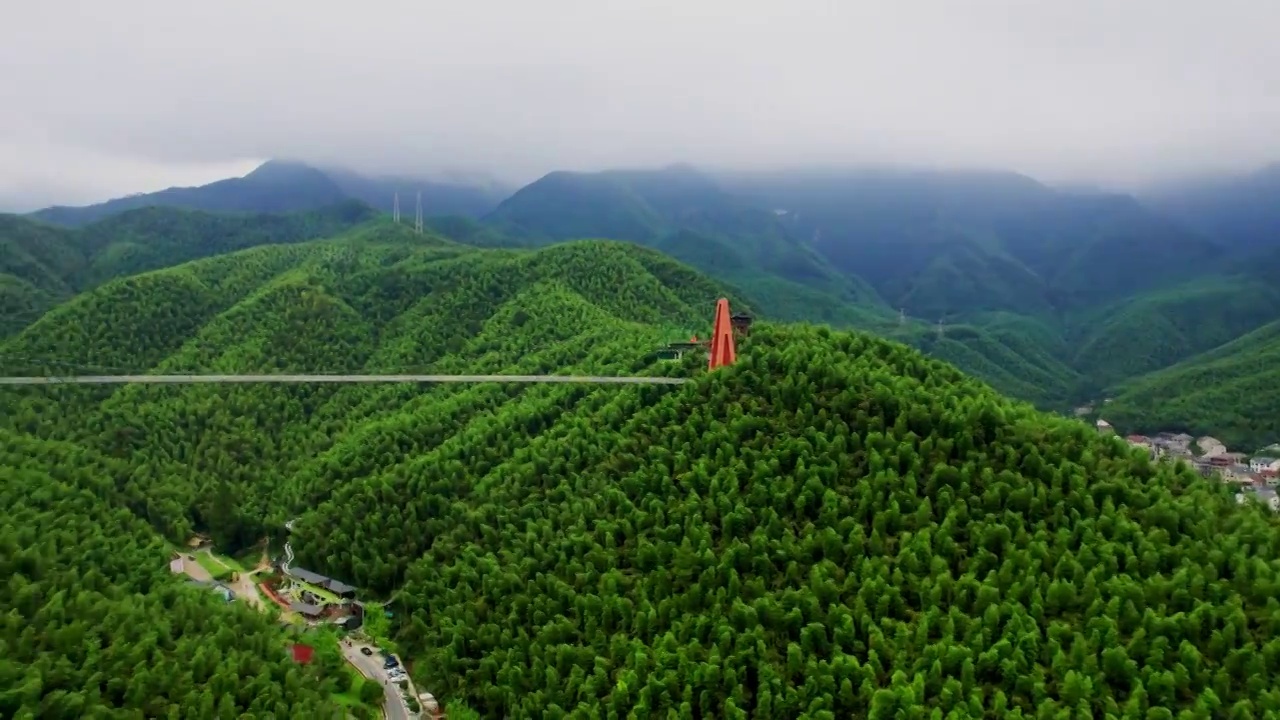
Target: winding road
[393, 705]
[370, 666]
[190, 379]
[288, 548]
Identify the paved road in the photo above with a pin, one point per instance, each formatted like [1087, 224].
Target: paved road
[186, 379]
[370, 666]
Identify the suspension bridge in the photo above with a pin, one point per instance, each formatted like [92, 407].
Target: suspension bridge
[190, 379]
[721, 345]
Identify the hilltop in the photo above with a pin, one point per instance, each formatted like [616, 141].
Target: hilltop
[380, 299]
[686, 215]
[280, 186]
[41, 264]
[837, 526]
[236, 461]
[1057, 297]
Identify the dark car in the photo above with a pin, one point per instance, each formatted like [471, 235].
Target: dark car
[365, 651]
[391, 662]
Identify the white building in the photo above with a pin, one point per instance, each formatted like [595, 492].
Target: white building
[1262, 462]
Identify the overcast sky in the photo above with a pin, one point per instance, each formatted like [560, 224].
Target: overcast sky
[98, 99]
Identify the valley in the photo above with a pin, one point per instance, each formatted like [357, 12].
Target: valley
[863, 515]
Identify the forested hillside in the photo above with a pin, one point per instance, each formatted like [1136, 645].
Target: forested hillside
[686, 215]
[952, 244]
[1156, 330]
[381, 299]
[834, 527]
[274, 187]
[282, 187]
[1231, 392]
[1053, 297]
[237, 460]
[1242, 211]
[93, 625]
[41, 265]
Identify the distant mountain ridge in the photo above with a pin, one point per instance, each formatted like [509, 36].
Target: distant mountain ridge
[42, 265]
[280, 186]
[688, 215]
[1241, 212]
[1054, 295]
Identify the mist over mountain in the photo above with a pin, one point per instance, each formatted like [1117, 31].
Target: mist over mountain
[1053, 295]
[1240, 211]
[354, 360]
[280, 186]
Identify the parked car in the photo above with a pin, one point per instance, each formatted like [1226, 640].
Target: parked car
[391, 662]
[366, 651]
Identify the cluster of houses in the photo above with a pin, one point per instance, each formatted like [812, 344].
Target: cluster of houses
[1258, 476]
[299, 587]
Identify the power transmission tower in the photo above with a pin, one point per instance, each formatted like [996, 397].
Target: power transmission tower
[939, 328]
[417, 221]
[395, 208]
[902, 316]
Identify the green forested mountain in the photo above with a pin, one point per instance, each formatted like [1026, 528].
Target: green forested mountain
[834, 527]
[284, 187]
[1021, 357]
[41, 264]
[686, 215]
[93, 625]
[953, 244]
[1231, 392]
[1054, 297]
[37, 266]
[1240, 211]
[439, 198]
[378, 300]
[275, 187]
[1154, 330]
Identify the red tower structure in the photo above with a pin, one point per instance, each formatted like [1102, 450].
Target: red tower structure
[722, 348]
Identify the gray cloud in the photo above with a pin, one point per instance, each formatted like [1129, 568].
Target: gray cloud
[103, 98]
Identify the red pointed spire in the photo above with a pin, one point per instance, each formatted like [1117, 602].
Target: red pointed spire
[722, 349]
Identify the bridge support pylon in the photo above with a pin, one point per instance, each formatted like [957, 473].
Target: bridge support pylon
[722, 347]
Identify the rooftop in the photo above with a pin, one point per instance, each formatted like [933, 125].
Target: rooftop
[307, 576]
[339, 587]
[305, 608]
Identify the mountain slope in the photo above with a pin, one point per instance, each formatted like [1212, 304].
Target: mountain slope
[1155, 330]
[1231, 391]
[380, 299]
[1016, 355]
[37, 264]
[274, 187]
[788, 536]
[41, 265]
[280, 186]
[952, 244]
[92, 624]
[438, 198]
[1242, 212]
[836, 526]
[685, 214]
